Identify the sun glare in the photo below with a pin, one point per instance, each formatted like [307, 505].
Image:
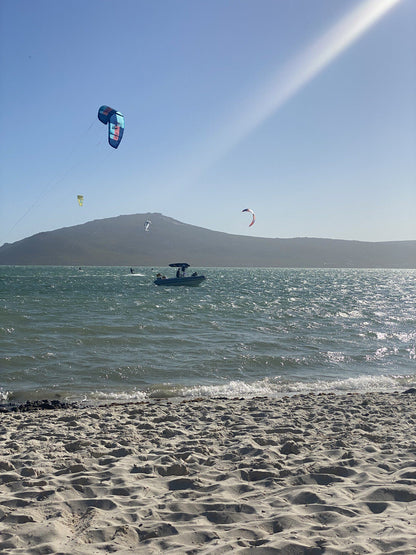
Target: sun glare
[290, 79]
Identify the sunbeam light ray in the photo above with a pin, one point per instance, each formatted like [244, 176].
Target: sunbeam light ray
[284, 84]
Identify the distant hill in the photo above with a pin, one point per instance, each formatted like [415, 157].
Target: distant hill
[122, 241]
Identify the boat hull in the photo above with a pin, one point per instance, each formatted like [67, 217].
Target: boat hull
[190, 281]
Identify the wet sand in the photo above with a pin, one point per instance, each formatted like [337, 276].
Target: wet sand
[306, 474]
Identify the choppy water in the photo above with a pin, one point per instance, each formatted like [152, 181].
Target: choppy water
[103, 333]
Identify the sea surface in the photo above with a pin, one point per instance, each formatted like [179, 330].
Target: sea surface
[104, 334]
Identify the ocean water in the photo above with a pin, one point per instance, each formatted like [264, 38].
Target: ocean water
[103, 334]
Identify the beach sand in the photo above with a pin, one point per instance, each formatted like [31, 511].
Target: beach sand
[306, 474]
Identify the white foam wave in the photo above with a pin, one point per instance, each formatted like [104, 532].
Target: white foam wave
[232, 389]
[4, 395]
[277, 388]
[122, 396]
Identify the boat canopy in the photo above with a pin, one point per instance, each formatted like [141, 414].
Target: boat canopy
[179, 265]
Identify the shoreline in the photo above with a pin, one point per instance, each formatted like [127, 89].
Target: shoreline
[30, 405]
[307, 473]
[40, 402]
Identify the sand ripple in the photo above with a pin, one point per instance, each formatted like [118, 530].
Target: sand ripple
[302, 475]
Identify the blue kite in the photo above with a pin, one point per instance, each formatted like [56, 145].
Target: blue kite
[115, 122]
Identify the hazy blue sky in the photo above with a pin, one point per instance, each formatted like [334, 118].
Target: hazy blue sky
[303, 110]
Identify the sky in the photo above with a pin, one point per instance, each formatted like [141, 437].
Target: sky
[302, 110]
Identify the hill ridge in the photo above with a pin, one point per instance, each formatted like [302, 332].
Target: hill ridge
[122, 241]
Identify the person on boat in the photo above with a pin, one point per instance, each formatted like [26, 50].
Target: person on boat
[178, 273]
[183, 271]
[194, 274]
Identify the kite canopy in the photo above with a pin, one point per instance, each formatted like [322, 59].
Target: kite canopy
[115, 122]
[80, 199]
[252, 213]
